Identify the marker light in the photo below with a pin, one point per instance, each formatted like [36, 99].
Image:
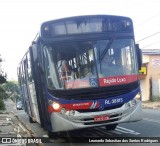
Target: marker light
[55, 105]
[50, 102]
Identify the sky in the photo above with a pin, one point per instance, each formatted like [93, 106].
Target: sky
[20, 21]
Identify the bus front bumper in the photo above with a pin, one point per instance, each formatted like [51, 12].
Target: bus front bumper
[61, 122]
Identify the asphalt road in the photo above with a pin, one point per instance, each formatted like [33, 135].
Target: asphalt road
[148, 127]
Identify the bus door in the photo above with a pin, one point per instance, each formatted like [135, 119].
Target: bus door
[27, 92]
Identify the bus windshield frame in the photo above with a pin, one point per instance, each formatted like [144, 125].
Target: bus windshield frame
[95, 63]
[87, 49]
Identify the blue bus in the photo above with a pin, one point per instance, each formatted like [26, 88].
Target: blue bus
[101, 85]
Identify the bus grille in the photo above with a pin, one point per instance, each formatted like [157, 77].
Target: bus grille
[89, 120]
[97, 110]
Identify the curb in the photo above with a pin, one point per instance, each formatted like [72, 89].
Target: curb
[32, 134]
[149, 107]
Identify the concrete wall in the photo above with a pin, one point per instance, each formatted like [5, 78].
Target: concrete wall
[155, 89]
[154, 66]
[145, 89]
[153, 71]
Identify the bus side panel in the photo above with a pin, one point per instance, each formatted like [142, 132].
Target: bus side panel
[34, 103]
[31, 90]
[24, 87]
[26, 100]
[39, 88]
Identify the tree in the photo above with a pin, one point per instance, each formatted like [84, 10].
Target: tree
[12, 90]
[3, 75]
[3, 94]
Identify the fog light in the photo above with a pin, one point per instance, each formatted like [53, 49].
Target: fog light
[128, 105]
[63, 111]
[133, 102]
[71, 112]
[55, 105]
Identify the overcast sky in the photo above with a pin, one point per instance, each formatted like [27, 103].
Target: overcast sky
[21, 20]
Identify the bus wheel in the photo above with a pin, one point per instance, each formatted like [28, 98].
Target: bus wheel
[111, 127]
[53, 135]
[31, 120]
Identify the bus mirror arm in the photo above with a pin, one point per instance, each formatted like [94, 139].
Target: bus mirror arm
[139, 56]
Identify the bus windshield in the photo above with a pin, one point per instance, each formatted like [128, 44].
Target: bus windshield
[90, 64]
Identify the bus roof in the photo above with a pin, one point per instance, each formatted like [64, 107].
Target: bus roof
[86, 16]
[85, 24]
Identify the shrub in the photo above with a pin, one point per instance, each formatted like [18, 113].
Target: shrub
[2, 105]
[155, 98]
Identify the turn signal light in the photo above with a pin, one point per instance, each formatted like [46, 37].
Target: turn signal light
[138, 96]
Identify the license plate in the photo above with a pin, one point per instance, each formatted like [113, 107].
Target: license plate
[101, 118]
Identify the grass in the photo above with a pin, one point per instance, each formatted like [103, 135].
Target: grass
[155, 98]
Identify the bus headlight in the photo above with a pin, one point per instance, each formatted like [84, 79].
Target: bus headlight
[134, 101]
[55, 105]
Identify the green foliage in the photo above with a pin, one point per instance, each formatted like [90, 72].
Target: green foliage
[12, 90]
[11, 86]
[155, 98]
[3, 94]
[2, 79]
[1, 89]
[3, 76]
[2, 105]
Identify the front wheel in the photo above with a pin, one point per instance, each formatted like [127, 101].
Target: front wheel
[53, 135]
[111, 127]
[31, 120]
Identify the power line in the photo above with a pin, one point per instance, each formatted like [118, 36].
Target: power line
[148, 37]
[149, 19]
[150, 45]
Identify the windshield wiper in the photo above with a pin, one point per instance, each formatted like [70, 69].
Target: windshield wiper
[106, 49]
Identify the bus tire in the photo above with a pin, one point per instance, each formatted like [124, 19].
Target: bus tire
[53, 135]
[31, 120]
[111, 127]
